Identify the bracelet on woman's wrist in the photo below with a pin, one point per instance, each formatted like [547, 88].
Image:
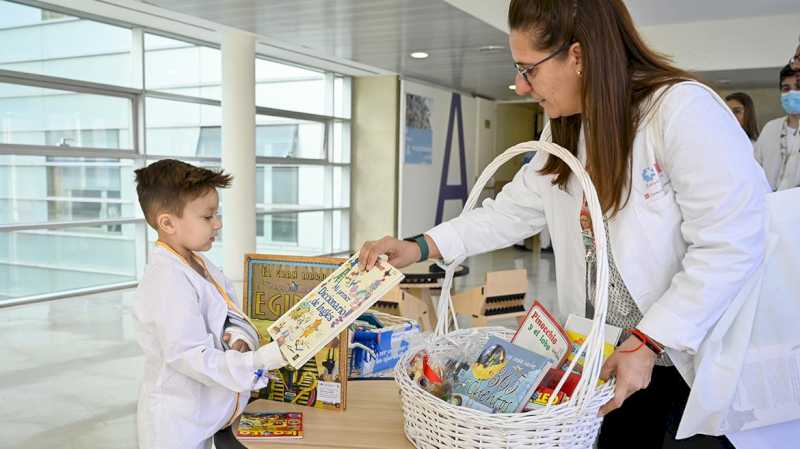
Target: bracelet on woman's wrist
[424, 251]
[647, 341]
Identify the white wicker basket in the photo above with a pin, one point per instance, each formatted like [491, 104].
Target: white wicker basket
[431, 423]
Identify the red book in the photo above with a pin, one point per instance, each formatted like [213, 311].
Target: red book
[541, 333]
[548, 386]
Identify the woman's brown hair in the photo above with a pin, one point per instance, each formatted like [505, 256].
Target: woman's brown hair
[619, 73]
[750, 124]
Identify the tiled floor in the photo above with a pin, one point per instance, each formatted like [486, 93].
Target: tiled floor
[69, 374]
[70, 368]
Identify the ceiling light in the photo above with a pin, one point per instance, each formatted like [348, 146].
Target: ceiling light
[512, 87]
[419, 55]
[491, 48]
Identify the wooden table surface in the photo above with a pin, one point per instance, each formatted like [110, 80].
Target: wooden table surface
[373, 420]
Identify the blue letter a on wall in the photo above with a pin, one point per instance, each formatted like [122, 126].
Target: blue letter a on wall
[455, 191]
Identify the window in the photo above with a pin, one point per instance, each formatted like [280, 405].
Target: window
[285, 86]
[289, 138]
[39, 116]
[49, 43]
[284, 228]
[179, 67]
[84, 103]
[182, 129]
[284, 185]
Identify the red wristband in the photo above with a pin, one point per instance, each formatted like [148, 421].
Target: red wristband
[647, 341]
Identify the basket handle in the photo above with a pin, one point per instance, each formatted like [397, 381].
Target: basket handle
[593, 346]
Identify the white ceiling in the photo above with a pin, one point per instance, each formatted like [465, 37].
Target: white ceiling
[744, 41]
[379, 33]
[653, 12]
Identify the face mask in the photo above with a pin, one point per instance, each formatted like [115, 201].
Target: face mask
[791, 102]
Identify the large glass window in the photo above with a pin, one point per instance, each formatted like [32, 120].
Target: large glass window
[180, 67]
[49, 43]
[46, 261]
[285, 86]
[289, 138]
[182, 129]
[60, 118]
[84, 103]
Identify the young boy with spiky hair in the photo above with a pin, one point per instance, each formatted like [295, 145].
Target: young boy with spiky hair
[201, 352]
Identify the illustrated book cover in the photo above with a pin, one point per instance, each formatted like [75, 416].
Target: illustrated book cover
[270, 426]
[503, 378]
[330, 307]
[541, 333]
[273, 284]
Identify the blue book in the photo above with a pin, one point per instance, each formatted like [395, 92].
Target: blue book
[503, 378]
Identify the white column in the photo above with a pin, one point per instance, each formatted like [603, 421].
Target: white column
[238, 152]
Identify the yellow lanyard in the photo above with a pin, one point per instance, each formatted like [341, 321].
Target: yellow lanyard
[232, 305]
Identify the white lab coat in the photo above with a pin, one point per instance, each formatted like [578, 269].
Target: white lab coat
[689, 238]
[781, 167]
[191, 386]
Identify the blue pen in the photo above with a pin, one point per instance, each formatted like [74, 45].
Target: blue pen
[258, 373]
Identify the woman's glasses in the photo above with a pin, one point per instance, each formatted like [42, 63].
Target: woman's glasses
[527, 70]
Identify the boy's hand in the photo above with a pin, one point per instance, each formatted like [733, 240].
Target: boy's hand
[270, 357]
[238, 345]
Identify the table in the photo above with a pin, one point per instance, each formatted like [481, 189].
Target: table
[373, 420]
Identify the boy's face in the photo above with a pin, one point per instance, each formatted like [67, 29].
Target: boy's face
[199, 225]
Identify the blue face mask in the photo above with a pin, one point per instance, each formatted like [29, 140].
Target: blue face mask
[791, 102]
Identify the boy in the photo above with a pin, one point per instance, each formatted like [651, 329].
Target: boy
[186, 316]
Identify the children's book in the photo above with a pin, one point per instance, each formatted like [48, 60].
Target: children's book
[330, 307]
[548, 386]
[577, 329]
[273, 284]
[542, 334]
[270, 426]
[503, 378]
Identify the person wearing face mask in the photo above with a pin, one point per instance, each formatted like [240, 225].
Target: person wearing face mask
[778, 146]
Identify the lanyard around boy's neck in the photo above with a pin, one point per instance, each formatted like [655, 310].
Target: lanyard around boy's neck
[231, 305]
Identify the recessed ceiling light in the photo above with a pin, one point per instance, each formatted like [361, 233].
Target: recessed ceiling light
[419, 55]
[512, 87]
[491, 48]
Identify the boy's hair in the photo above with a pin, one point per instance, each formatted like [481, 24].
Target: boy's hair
[167, 185]
[786, 72]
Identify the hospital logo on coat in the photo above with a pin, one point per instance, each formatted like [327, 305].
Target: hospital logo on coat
[649, 174]
[655, 181]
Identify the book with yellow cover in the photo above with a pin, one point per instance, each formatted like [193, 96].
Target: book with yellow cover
[577, 329]
[273, 284]
[330, 307]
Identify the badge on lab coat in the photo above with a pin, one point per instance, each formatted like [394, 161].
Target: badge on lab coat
[655, 181]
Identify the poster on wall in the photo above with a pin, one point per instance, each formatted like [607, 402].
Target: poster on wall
[419, 133]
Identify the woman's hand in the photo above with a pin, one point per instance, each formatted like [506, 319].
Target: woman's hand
[401, 253]
[631, 369]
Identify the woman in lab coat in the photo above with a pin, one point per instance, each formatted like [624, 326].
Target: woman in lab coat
[682, 195]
